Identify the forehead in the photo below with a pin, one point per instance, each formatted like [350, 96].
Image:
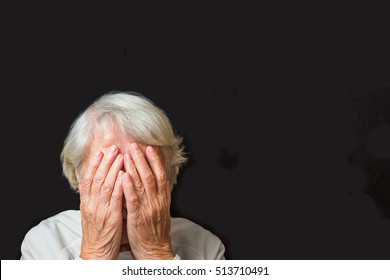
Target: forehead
[112, 135]
[103, 139]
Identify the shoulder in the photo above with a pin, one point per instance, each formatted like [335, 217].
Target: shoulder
[65, 223]
[192, 241]
[57, 237]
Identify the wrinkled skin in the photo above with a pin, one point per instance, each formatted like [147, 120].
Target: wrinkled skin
[124, 199]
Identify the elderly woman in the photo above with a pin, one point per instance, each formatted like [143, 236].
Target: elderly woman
[122, 156]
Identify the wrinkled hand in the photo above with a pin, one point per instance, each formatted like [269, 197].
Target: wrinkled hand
[148, 198]
[101, 206]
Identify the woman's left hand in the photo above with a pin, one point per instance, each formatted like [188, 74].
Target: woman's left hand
[148, 198]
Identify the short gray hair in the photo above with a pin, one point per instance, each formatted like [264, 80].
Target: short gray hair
[135, 115]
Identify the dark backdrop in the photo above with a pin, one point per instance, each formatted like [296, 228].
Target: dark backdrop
[278, 182]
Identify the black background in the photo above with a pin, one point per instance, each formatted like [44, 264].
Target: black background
[264, 114]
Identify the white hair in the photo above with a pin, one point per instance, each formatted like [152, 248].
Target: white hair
[136, 116]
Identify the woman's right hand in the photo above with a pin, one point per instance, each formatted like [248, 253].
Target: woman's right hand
[101, 205]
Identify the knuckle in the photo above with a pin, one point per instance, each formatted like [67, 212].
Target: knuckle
[133, 200]
[116, 196]
[133, 171]
[98, 179]
[89, 211]
[148, 178]
[162, 176]
[86, 180]
[107, 188]
[137, 183]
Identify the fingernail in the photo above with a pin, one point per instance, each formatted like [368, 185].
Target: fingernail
[98, 155]
[134, 146]
[113, 149]
[149, 149]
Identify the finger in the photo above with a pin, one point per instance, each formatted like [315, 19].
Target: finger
[157, 168]
[87, 177]
[117, 194]
[110, 181]
[132, 201]
[134, 176]
[145, 174]
[102, 170]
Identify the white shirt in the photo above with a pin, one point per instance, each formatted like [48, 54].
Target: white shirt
[59, 238]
